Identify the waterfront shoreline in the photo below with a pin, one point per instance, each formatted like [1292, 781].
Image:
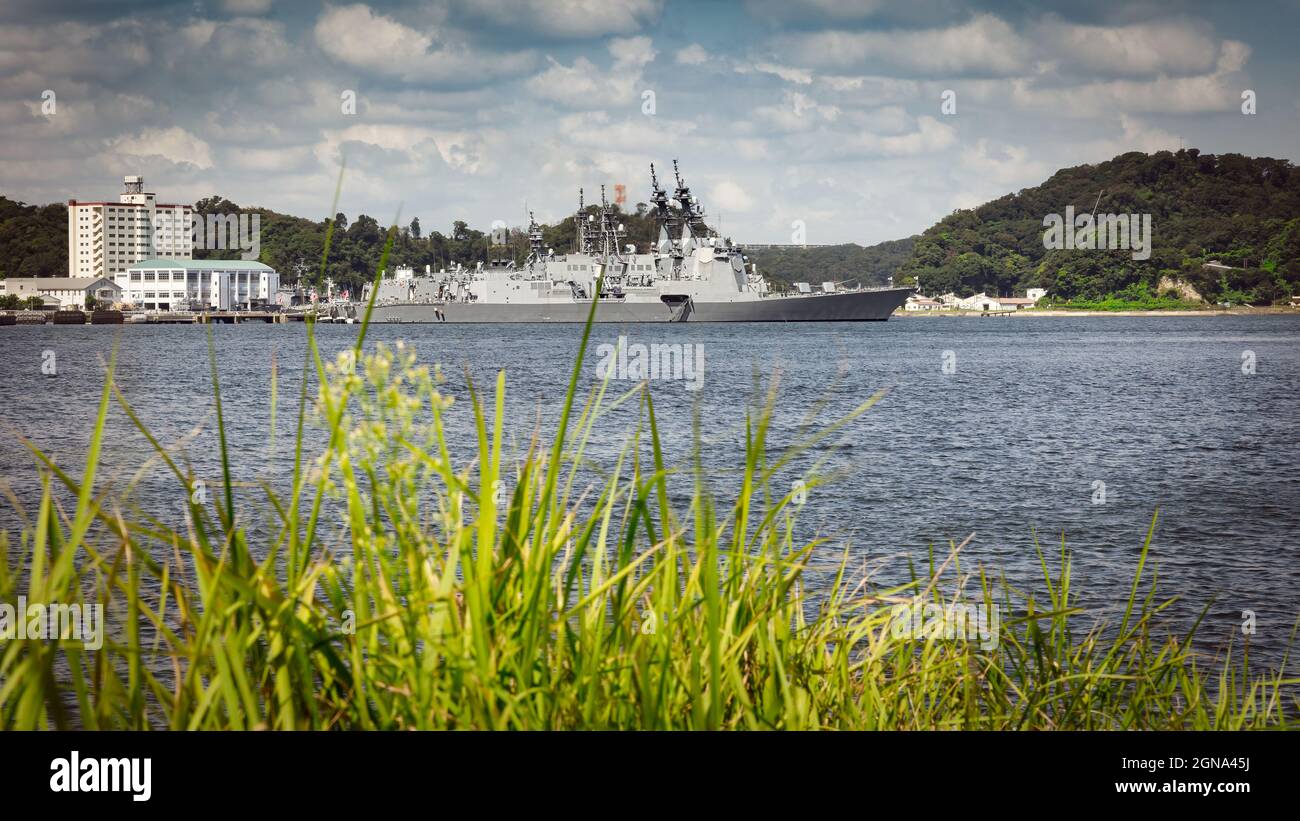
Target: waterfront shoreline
[287, 319]
[1058, 312]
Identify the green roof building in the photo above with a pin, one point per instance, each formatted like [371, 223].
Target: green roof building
[199, 284]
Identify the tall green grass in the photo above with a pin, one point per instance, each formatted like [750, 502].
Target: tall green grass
[440, 602]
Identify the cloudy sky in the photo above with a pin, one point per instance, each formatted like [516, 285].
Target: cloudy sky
[827, 112]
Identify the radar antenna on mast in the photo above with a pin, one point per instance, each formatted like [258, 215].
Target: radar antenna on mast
[693, 211]
[582, 220]
[536, 249]
[664, 214]
[610, 230]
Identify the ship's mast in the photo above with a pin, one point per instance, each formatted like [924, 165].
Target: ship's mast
[536, 249]
[611, 232]
[669, 242]
[585, 240]
[693, 211]
[604, 224]
[664, 213]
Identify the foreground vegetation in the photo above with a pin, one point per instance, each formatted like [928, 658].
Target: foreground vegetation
[410, 580]
[1136, 297]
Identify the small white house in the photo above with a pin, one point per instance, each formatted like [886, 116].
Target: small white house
[980, 302]
[921, 303]
[71, 292]
[1035, 294]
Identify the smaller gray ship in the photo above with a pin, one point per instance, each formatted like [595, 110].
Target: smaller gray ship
[691, 274]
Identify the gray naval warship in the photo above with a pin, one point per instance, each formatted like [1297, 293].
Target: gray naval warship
[689, 275]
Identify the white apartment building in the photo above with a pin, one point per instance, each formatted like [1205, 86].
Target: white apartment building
[106, 237]
[198, 284]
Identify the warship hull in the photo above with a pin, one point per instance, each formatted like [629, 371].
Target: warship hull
[852, 306]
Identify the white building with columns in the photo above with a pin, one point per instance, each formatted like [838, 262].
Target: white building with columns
[198, 285]
[106, 237]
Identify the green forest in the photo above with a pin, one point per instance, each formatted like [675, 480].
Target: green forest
[33, 239]
[872, 265]
[1241, 211]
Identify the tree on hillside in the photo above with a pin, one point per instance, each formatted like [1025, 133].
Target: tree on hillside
[1229, 208]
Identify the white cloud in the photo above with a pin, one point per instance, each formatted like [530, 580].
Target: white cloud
[803, 10]
[890, 119]
[727, 196]
[693, 55]
[1136, 135]
[797, 112]
[173, 144]
[580, 85]
[790, 74]
[271, 160]
[633, 52]
[872, 90]
[966, 200]
[983, 45]
[241, 42]
[930, 136]
[1219, 90]
[752, 149]
[596, 129]
[585, 85]
[571, 18]
[357, 36]
[246, 6]
[1001, 168]
[75, 50]
[1177, 47]
[409, 146]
